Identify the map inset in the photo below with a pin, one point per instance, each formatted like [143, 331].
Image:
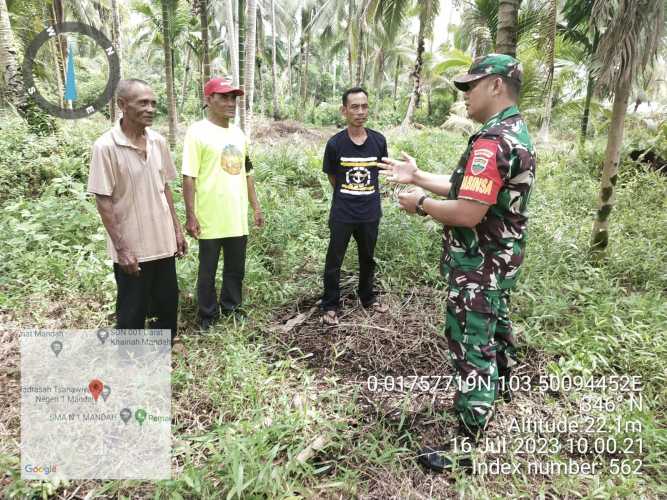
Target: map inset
[96, 404]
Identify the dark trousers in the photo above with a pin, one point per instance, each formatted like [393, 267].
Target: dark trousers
[365, 234]
[153, 294]
[232, 274]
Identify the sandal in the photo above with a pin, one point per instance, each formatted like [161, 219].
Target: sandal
[330, 318]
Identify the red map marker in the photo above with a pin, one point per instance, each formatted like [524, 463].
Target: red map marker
[95, 387]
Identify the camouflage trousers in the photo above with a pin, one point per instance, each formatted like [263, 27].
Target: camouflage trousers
[481, 343]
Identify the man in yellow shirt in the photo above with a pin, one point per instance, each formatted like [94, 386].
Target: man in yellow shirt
[217, 185]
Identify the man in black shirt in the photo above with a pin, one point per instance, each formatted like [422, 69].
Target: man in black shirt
[350, 160]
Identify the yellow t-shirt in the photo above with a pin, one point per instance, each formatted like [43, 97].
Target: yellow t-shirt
[215, 157]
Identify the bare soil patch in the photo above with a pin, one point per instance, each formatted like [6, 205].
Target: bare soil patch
[289, 131]
[382, 355]
[393, 349]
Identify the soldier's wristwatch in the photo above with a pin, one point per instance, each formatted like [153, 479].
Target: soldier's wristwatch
[420, 209]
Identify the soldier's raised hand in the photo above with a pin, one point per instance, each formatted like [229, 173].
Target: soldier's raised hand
[401, 171]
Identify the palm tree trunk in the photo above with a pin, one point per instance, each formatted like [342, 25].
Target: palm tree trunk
[274, 68]
[360, 57]
[396, 75]
[607, 198]
[289, 65]
[379, 73]
[448, 35]
[57, 54]
[350, 48]
[301, 60]
[261, 67]
[551, 50]
[60, 41]
[242, 60]
[186, 75]
[478, 48]
[232, 41]
[249, 73]
[60, 84]
[13, 79]
[590, 87]
[416, 75]
[428, 103]
[115, 40]
[169, 70]
[203, 17]
[508, 22]
[302, 50]
[364, 74]
[260, 88]
[361, 45]
[304, 78]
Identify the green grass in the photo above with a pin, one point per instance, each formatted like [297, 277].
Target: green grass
[590, 316]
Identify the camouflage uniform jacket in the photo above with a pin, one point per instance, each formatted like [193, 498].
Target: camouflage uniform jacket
[497, 169]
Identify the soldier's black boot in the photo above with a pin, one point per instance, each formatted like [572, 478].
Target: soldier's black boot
[503, 390]
[442, 460]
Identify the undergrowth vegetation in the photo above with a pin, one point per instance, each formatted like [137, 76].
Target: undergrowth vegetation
[589, 316]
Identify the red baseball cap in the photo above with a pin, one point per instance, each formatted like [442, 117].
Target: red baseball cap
[220, 86]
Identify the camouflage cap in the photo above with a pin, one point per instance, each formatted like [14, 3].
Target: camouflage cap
[490, 64]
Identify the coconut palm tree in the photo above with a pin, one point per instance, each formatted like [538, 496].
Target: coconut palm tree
[249, 70]
[305, 15]
[361, 30]
[551, 51]
[241, 25]
[631, 34]
[480, 22]
[232, 41]
[581, 30]
[115, 40]
[274, 64]
[166, 26]
[428, 11]
[13, 79]
[168, 6]
[203, 19]
[314, 16]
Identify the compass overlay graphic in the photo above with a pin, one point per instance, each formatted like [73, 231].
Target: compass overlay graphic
[101, 40]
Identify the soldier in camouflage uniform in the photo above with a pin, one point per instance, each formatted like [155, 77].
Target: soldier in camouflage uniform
[484, 237]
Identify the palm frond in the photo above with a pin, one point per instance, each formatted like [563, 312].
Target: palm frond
[391, 14]
[631, 34]
[453, 60]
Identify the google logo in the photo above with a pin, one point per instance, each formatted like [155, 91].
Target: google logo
[40, 469]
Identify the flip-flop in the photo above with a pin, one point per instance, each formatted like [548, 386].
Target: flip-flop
[330, 318]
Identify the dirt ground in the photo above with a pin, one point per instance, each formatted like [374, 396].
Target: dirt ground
[288, 131]
[393, 349]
